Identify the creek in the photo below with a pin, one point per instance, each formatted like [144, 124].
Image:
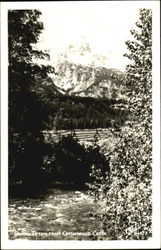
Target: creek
[60, 214]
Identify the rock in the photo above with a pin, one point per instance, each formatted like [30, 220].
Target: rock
[59, 215]
[62, 221]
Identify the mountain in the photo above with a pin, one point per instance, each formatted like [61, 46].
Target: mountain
[90, 81]
[74, 77]
[46, 86]
[82, 73]
[108, 83]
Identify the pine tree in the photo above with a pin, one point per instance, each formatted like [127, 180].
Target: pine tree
[26, 115]
[25, 107]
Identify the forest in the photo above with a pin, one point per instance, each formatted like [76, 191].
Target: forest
[74, 112]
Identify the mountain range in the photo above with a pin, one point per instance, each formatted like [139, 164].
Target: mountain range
[79, 72]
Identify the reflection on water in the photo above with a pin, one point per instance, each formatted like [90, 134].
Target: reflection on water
[59, 215]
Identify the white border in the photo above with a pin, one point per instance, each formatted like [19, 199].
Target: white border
[25, 244]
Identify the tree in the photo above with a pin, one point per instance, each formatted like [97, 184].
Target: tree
[26, 113]
[24, 104]
[139, 72]
[126, 207]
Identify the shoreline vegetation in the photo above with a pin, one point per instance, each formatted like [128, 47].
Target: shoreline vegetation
[67, 163]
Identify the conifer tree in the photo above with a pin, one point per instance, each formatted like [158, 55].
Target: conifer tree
[26, 116]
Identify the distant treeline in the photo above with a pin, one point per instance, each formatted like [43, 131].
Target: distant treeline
[73, 112]
[64, 112]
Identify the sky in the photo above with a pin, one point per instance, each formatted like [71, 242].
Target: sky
[105, 26]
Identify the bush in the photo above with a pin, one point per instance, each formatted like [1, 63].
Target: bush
[26, 155]
[72, 162]
[34, 163]
[124, 196]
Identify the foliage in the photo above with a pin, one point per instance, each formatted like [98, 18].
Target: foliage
[126, 206]
[24, 29]
[73, 112]
[27, 152]
[70, 161]
[139, 72]
[26, 111]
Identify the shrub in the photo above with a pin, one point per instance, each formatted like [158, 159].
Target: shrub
[72, 162]
[124, 196]
[26, 155]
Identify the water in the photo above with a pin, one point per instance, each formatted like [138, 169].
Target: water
[82, 134]
[60, 215]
